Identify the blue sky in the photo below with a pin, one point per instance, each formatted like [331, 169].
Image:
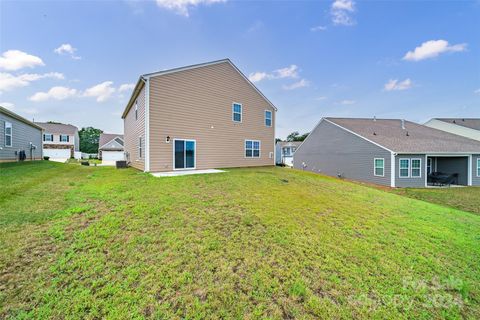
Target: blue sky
[405, 59]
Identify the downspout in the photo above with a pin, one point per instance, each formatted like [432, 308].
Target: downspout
[392, 169]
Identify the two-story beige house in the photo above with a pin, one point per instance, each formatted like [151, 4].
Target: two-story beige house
[60, 141]
[202, 116]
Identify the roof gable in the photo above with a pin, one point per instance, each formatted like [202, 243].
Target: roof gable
[146, 76]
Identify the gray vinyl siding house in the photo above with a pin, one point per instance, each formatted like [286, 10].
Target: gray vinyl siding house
[18, 134]
[387, 152]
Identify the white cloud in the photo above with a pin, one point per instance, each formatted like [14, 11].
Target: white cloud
[477, 91]
[433, 48]
[8, 105]
[287, 72]
[182, 6]
[102, 91]
[341, 12]
[320, 98]
[296, 85]
[318, 28]
[67, 48]
[348, 102]
[16, 59]
[8, 81]
[396, 85]
[126, 87]
[55, 93]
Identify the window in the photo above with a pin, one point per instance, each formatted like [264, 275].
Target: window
[268, 118]
[237, 112]
[64, 138]
[416, 168]
[478, 167]
[379, 165]
[136, 110]
[286, 151]
[8, 134]
[139, 147]
[47, 137]
[252, 149]
[404, 168]
[429, 165]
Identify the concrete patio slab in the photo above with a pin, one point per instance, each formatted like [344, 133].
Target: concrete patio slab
[185, 172]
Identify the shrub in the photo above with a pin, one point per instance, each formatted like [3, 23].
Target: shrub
[46, 158]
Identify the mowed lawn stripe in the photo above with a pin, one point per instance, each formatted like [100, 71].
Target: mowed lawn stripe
[252, 243]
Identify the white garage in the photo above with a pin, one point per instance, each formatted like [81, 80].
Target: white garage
[57, 153]
[112, 156]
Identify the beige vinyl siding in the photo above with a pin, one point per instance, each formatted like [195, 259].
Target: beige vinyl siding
[197, 104]
[133, 129]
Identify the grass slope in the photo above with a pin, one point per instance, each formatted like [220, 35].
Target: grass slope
[84, 242]
[467, 199]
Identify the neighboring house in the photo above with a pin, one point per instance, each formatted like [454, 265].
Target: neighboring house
[285, 150]
[110, 147]
[198, 117]
[469, 128]
[389, 152]
[17, 134]
[60, 141]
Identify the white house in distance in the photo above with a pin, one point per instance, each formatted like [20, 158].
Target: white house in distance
[110, 148]
[60, 141]
[466, 127]
[284, 151]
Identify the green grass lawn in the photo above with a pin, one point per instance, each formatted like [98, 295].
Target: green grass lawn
[261, 243]
[467, 199]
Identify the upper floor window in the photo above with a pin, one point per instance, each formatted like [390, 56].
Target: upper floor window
[8, 134]
[47, 137]
[64, 138]
[252, 148]
[268, 118]
[379, 167]
[237, 112]
[136, 110]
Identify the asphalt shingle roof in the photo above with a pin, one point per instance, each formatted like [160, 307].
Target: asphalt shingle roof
[106, 138]
[415, 138]
[471, 123]
[58, 128]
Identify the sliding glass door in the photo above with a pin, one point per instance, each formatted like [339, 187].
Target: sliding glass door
[184, 154]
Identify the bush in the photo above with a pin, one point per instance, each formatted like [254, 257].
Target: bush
[46, 158]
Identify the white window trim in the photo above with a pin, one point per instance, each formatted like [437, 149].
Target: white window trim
[375, 167]
[411, 167]
[245, 149]
[400, 168]
[271, 118]
[8, 125]
[233, 112]
[478, 167]
[139, 154]
[64, 135]
[136, 110]
[47, 134]
[194, 153]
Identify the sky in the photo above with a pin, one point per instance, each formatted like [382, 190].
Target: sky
[77, 61]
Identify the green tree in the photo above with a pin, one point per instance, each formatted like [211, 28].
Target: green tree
[296, 136]
[89, 139]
